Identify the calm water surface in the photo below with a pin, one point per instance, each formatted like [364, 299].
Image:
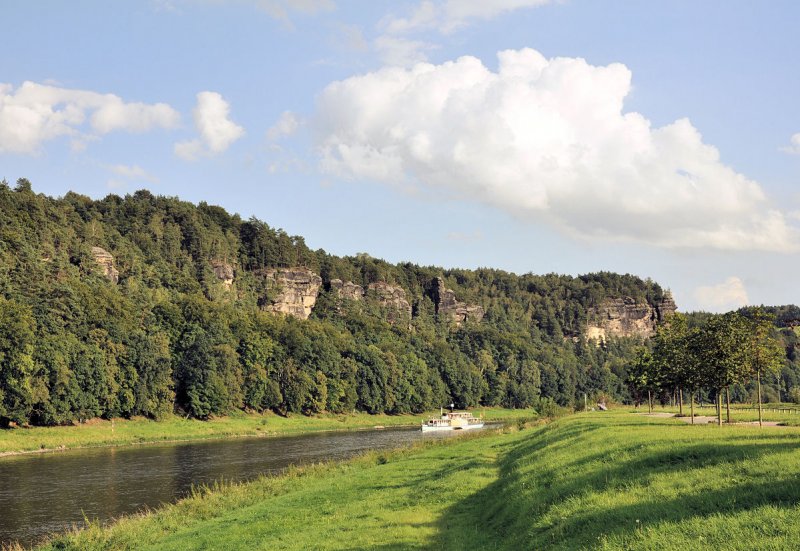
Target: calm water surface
[47, 493]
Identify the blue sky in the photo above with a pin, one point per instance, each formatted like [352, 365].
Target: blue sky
[656, 138]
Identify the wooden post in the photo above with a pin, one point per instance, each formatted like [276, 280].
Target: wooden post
[649, 402]
[680, 400]
[728, 403]
[691, 402]
[758, 378]
[719, 407]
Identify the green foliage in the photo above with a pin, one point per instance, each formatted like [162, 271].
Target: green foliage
[714, 352]
[170, 336]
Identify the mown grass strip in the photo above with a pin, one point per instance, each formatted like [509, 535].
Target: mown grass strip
[589, 481]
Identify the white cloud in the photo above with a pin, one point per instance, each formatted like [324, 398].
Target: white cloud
[794, 145]
[286, 125]
[217, 131]
[728, 295]
[546, 140]
[350, 37]
[135, 173]
[401, 52]
[449, 15]
[280, 9]
[35, 113]
[394, 47]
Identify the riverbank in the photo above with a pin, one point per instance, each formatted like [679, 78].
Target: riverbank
[588, 481]
[139, 431]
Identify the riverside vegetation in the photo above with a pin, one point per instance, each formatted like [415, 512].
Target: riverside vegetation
[118, 432]
[145, 306]
[587, 481]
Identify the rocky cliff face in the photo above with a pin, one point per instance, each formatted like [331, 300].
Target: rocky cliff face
[347, 289]
[448, 306]
[391, 297]
[296, 290]
[223, 271]
[625, 317]
[106, 263]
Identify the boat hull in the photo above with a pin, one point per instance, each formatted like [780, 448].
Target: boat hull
[438, 428]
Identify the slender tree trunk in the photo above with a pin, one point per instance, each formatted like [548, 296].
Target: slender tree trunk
[728, 403]
[649, 402]
[680, 400]
[691, 405]
[758, 378]
[719, 407]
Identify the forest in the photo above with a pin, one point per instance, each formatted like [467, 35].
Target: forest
[165, 334]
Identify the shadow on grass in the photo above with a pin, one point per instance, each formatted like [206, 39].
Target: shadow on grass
[516, 511]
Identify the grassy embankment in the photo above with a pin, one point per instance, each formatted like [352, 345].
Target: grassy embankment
[174, 428]
[588, 481]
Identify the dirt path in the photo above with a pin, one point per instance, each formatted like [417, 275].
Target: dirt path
[705, 419]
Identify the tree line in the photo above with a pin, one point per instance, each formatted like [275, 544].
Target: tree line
[710, 354]
[171, 337]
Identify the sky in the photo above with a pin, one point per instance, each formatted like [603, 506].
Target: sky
[655, 138]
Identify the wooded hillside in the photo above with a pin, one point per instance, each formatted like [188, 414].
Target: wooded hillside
[141, 304]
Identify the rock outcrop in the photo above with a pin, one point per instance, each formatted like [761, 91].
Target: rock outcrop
[347, 289]
[223, 271]
[391, 297]
[447, 305]
[625, 317]
[296, 290]
[106, 263]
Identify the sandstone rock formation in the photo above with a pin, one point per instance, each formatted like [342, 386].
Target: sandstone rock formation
[448, 306]
[347, 289]
[296, 290]
[106, 263]
[391, 297]
[625, 317]
[223, 271]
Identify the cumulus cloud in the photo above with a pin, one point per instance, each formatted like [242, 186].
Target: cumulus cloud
[35, 113]
[286, 125]
[217, 131]
[544, 139]
[728, 295]
[794, 145]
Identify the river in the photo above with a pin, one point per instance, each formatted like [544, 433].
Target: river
[47, 493]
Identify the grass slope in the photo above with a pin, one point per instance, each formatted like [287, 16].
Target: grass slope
[100, 432]
[589, 481]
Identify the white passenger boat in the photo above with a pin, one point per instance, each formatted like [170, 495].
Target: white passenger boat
[453, 420]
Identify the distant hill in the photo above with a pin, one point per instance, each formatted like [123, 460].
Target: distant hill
[142, 304]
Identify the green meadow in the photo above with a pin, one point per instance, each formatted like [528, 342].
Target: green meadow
[119, 432]
[611, 480]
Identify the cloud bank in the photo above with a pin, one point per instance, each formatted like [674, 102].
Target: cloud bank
[547, 140]
[728, 295]
[217, 131]
[35, 113]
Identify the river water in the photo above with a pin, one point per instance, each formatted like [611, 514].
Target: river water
[46, 493]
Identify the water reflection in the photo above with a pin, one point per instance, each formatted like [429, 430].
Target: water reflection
[48, 493]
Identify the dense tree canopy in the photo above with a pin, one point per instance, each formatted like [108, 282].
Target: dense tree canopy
[170, 335]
